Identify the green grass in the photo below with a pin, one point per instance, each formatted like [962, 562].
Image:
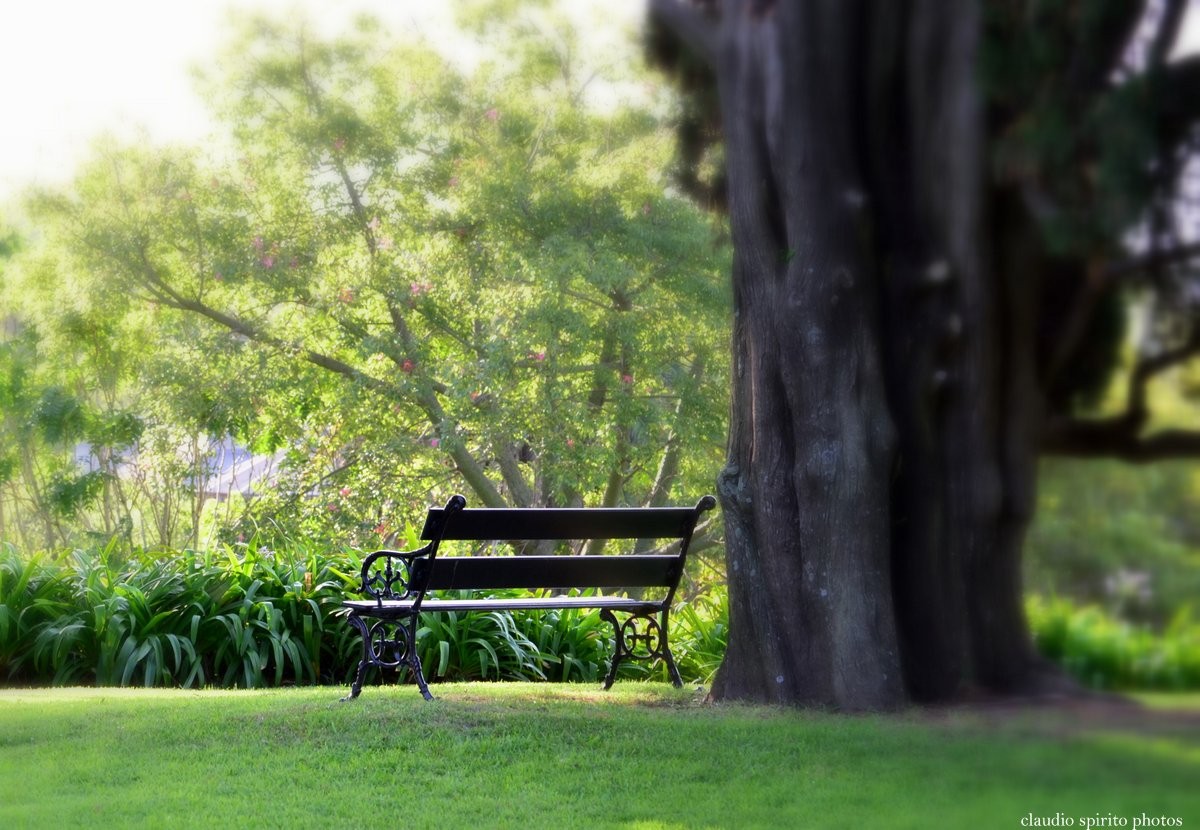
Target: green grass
[558, 755]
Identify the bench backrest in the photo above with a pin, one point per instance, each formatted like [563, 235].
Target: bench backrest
[536, 524]
[474, 573]
[424, 570]
[560, 523]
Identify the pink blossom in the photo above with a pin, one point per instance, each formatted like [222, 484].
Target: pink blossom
[571, 443]
[433, 442]
[492, 115]
[332, 508]
[407, 366]
[345, 491]
[257, 243]
[627, 378]
[346, 295]
[538, 356]
[268, 261]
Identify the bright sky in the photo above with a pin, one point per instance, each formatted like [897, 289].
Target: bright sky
[73, 69]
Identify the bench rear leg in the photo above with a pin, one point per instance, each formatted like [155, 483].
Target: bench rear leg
[669, 658]
[414, 660]
[618, 648]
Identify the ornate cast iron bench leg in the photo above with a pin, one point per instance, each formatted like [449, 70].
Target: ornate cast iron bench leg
[646, 644]
[611, 618]
[360, 675]
[414, 660]
[676, 680]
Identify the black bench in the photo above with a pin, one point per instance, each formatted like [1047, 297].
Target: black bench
[398, 582]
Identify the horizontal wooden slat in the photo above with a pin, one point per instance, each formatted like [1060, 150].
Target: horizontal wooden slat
[480, 572]
[561, 523]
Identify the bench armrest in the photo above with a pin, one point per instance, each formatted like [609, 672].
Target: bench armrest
[388, 574]
[392, 574]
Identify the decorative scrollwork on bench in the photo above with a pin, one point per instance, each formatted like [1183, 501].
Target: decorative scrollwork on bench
[388, 574]
[389, 643]
[644, 643]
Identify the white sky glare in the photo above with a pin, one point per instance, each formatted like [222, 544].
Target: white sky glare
[76, 69]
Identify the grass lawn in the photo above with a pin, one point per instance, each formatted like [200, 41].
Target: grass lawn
[557, 755]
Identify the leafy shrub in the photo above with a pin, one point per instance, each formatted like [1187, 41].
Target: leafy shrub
[241, 617]
[1108, 653]
[246, 615]
[701, 635]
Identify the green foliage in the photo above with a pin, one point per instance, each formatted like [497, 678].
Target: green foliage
[407, 279]
[248, 616]
[701, 634]
[242, 618]
[1108, 653]
[1126, 538]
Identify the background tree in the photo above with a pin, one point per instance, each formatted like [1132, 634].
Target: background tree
[933, 208]
[410, 278]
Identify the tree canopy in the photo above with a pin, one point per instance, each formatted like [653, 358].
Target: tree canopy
[407, 276]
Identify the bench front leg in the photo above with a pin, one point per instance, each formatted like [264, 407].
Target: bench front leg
[388, 643]
[361, 673]
[640, 637]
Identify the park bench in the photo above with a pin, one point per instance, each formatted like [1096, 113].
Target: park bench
[401, 585]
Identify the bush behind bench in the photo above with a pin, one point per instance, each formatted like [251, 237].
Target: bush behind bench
[246, 616]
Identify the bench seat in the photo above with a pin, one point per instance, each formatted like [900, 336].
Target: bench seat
[402, 607]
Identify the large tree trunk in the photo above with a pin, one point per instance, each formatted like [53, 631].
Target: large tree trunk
[883, 431]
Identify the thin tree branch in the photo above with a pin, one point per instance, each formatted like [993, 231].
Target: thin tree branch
[1151, 260]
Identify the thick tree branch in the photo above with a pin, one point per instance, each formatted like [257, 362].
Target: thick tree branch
[1167, 32]
[1113, 439]
[1099, 48]
[508, 461]
[688, 22]
[1176, 90]
[1072, 331]
[1122, 436]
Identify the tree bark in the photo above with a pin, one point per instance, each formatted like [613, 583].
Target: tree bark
[886, 409]
[805, 491]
